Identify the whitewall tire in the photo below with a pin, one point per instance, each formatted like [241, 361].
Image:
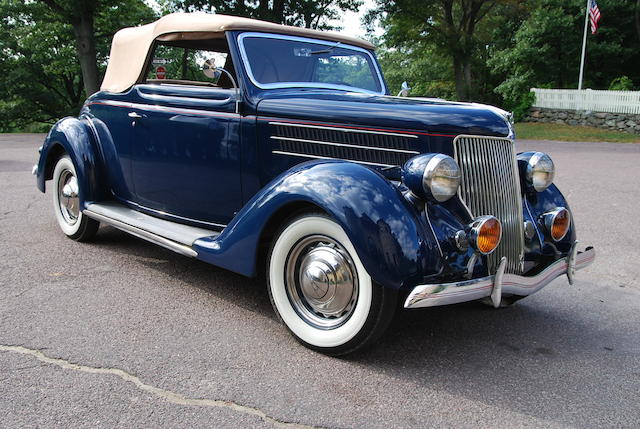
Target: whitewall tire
[66, 203]
[320, 289]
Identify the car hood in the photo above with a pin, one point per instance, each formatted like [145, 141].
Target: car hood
[417, 114]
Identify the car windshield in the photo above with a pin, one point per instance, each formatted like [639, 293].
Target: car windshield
[285, 61]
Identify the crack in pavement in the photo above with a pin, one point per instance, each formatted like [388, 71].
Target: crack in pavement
[173, 397]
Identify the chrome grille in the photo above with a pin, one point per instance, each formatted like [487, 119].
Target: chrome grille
[377, 148]
[490, 185]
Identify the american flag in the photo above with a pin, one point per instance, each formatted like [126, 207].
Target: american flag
[594, 16]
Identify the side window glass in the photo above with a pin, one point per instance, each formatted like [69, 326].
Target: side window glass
[187, 66]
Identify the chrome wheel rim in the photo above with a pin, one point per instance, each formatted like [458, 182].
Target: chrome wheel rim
[68, 200]
[321, 282]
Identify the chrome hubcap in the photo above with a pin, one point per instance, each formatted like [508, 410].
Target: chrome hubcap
[322, 283]
[68, 197]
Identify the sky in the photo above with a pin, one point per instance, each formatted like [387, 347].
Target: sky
[351, 21]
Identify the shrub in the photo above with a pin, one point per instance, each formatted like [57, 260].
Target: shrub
[522, 106]
[622, 83]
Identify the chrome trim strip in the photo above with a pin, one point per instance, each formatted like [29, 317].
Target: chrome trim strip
[145, 235]
[432, 295]
[428, 218]
[320, 127]
[166, 109]
[302, 155]
[538, 233]
[161, 213]
[344, 145]
[247, 66]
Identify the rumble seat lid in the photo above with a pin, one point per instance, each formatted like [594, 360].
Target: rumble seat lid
[130, 46]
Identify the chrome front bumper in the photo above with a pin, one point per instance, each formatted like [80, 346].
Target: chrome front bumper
[432, 295]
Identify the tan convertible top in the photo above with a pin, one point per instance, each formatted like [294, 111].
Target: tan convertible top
[131, 45]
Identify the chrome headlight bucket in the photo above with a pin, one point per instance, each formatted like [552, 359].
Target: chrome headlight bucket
[485, 233]
[432, 176]
[557, 223]
[539, 170]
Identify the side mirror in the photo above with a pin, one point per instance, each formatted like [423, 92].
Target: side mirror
[404, 90]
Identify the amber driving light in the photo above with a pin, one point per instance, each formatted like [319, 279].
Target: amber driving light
[485, 234]
[557, 223]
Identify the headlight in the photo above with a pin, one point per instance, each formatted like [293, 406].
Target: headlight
[432, 176]
[539, 170]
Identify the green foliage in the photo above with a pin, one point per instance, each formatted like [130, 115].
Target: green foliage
[521, 108]
[300, 13]
[490, 51]
[420, 68]
[41, 77]
[547, 46]
[545, 49]
[622, 83]
[454, 32]
[516, 46]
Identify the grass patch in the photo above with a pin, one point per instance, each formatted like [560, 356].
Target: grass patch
[570, 133]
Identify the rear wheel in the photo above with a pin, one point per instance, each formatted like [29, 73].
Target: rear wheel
[320, 289]
[66, 203]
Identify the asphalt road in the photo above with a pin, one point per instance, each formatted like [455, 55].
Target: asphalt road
[121, 333]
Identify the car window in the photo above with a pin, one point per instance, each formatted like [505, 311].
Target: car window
[346, 69]
[291, 61]
[188, 66]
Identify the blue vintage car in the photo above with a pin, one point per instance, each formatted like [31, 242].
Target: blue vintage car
[259, 147]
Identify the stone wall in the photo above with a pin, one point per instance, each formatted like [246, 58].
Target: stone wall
[612, 121]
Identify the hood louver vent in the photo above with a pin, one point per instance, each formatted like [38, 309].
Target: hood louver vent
[382, 149]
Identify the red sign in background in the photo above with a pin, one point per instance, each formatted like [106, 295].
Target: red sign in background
[161, 72]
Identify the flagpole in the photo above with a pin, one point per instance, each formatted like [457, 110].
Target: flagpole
[584, 45]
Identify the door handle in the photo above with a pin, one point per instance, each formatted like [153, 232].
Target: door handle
[135, 115]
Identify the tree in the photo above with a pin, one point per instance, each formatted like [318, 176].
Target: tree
[547, 46]
[39, 72]
[421, 67]
[80, 14]
[449, 25]
[637, 14]
[302, 13]
[41, 76]
[544, 53]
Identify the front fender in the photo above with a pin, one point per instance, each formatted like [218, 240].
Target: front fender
[391, 239]
[538, 203]
[74, 137]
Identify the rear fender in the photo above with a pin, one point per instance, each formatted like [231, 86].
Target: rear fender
[394, 244]
[74, 137]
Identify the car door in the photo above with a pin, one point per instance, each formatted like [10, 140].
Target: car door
[186, 146]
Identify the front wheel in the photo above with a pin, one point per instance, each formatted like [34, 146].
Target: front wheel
[321, 291]
[66, 203]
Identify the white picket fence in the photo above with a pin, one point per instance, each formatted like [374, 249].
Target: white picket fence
[588, 99]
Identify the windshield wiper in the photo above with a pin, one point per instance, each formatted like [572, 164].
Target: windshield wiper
[325, 51]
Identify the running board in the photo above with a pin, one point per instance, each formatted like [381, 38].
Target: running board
[171, 235]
